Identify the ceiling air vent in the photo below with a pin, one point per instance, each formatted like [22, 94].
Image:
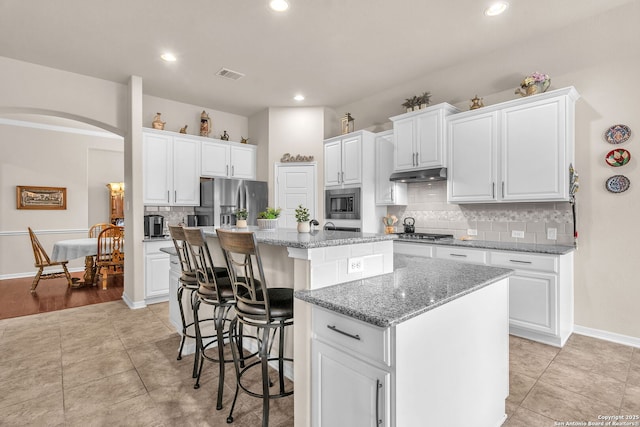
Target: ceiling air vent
[229, 74]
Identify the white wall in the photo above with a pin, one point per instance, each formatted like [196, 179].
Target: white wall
[605, 60]
[177, 114]
[51, 158]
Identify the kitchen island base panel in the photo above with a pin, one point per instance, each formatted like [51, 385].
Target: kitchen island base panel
[452, 363]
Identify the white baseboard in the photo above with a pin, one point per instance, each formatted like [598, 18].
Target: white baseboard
[608, 336]
[33, 274]
[131, 304]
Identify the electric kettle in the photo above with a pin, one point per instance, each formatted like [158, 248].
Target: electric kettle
[409, 225]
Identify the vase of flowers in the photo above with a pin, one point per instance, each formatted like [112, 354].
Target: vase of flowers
[302, 218]
[241, 218]
[268, 219]
[533, 84]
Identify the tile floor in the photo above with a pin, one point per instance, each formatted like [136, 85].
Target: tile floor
[104, 364]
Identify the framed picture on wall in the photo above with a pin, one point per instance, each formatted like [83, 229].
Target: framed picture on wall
[28, 197]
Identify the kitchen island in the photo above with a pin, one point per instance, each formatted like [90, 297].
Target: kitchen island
[425, 345]
[456, 332]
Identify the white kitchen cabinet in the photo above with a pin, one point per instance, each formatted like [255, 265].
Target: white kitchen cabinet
[420, 138]
[413, 373]
[156, 271]
[349, 391]
[516, 151]
[228, 160]
[473, 145]
[387, 192]
[343, 160]
[170, 168]
[540, 291]
[540, 295]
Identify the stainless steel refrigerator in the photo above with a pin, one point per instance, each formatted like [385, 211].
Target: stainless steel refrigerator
[221, 197]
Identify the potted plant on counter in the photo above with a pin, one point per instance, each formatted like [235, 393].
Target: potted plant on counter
[241, 218]
[268, 219]
[302, 218]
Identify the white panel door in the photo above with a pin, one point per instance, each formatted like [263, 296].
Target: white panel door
[186, 172]
[532, 301]
[215, 159]
[156, 169]
[533, 151]
[347, 392]
[243, 162]
[333, 163]
[296, 185]
[156, 275]
[429, 142]
[472, 158]
[352, 160]
[404, 131]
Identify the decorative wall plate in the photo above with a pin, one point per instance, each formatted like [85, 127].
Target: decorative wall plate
[617, 134]
[618, 184]
[617, 157]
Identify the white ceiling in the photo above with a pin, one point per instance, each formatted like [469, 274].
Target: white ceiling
[335, 52]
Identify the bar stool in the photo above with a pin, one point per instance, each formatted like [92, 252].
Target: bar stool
[188, 281]
[213, 290]
[266, 309]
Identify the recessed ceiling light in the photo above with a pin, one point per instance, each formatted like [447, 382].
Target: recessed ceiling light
[279, 5]
[299, 97]
[169, 57]
[496, 8]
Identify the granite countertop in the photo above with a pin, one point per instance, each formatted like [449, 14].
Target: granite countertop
[289, 237]
[416, 286]
[501, 246]
[171, 250]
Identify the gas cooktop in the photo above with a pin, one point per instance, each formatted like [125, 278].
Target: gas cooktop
[424, 236]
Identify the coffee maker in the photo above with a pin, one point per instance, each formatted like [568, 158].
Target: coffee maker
[153, 226]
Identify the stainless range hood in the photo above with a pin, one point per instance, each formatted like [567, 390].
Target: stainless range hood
[423, 175]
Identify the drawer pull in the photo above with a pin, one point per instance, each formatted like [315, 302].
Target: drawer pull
[520, 262]
[378, 387]
[458, 255]
[333, 328]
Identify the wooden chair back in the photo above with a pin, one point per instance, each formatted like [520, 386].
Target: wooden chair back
[111, 246]
[182, 248]
[240, 250]
[95, 229]
[39, 254]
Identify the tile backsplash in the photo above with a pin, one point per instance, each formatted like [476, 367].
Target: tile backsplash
[173, 215]
[493, 221]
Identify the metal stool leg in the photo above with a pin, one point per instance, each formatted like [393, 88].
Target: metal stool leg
[184, 322]
[234, 350]
[199, 361]
[264, 358]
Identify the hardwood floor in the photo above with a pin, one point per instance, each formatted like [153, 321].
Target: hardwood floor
[52, 295]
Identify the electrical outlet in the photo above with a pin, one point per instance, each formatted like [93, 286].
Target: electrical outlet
[354, 265]
[552, 233]
[517, 233]
[472, 232]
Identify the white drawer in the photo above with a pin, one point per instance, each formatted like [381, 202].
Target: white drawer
[410, 248]
[461, 254]
[522, 261]
[346, 333]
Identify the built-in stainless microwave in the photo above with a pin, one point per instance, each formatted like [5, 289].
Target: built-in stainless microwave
[342, 203]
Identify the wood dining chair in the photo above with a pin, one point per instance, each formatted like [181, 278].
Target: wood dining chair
[110, 257]
[95, 229]
[42, 261]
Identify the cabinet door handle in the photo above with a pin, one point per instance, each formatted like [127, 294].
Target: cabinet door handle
[417, 159]
[413, 159]
[338, 177]
[520, 262]
[168, 197]
[342, 177]
[233, 170]
[493, 190]
[227, 171]
[335, 329]
[175, 195]
[503, 189]
[392, 194]
[458, 255]
[378, 387]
